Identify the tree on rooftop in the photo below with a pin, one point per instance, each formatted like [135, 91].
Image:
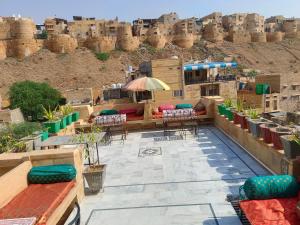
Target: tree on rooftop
[31, 96]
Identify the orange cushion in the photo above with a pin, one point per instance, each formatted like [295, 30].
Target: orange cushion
[271, 212]
[199, 113]
[37, 200]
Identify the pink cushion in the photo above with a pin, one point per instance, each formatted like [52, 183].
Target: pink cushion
[127, 111]
[166, 107]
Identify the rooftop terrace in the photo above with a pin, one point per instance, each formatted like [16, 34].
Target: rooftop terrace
[152, 179]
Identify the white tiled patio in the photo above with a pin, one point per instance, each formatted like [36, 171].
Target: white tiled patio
[182, 182]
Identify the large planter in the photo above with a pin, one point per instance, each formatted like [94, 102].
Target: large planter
[253, 126]
[291, 148]
[45, 135]
[53, 126]
[95, 178]
[69, 119]
[265, 131]
[229, 113]
[276, 133]
[75, 116]
[236, 118]
[243, 120]
[63, 122]
[221, 109]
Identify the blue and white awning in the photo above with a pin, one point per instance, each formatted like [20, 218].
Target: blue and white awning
[201, 66]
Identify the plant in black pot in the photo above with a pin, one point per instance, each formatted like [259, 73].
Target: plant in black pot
[291, 144]
[94, 172]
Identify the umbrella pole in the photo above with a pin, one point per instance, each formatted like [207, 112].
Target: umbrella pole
[134, 97]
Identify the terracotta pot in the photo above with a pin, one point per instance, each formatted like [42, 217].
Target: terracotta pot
[253, 126]
[291, 148]
[243, 121]
[266, 133]
[276, 133]
[236, 118]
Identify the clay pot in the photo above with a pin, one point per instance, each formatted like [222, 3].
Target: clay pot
[276, 133]
[266, 133]
[243, 121]
[236, 118]
[291, 148]
[253, 126]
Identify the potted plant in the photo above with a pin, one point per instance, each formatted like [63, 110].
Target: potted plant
[221, 109]
[276, 133]
[64, 113]
[291, 145]
[265, 131]
[53, 123]
[228, 109]
[254, 120]
[75, 116]
[238, 109]
[69, 112]
[94, 173]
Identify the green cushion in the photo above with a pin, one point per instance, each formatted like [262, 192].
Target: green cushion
[106, 112]
[51, 174]
[184, 106]
[268, 187]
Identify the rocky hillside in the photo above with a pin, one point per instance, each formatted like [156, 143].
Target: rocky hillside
[83, 69]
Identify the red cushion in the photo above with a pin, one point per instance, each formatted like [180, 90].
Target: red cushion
[133, 117]
[127, 111]
[37, 200]
[166, 107]
[271, 212]
[199, 113]
[157, 115]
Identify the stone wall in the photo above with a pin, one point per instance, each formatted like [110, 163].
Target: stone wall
[61, 43]
[184, 40]
[125, 39]
[155, 38]
[274, 36]
[213, 33]
[101, 44]
[2, 50]
[21, 48]
[259, 37]
[239, 37]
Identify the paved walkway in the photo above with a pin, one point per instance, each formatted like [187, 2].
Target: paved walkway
[154, 181]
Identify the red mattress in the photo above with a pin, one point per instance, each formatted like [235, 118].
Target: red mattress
[37, 200]
[271, 212]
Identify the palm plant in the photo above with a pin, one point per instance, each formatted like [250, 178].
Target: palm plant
[49, 114]
[228, 103]
[253, 114]
[296, 137]
[239, 105]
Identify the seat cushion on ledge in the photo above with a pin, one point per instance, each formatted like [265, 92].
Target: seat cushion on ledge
[127, 111]
[37, 200]
[51, 174]
[280, 211]
[184, 106]
[107, 112]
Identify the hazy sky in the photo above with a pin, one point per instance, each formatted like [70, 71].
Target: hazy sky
[129, 10]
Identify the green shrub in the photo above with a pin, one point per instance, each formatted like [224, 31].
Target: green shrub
[31, 97]
[103, 56]
[24, 129]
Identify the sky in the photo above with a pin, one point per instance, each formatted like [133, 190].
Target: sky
[133, 9]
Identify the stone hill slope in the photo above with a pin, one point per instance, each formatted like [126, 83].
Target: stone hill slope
[83, 69]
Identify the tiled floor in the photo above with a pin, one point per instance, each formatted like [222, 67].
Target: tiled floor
[184, 184]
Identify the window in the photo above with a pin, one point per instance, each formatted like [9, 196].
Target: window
[275, 105]
[267, 104]
[177, 93]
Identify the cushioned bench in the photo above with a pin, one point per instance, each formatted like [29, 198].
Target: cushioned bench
[271, 211]
[46, 202]
[37, 200]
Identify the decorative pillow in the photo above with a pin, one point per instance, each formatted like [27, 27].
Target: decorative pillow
[166, 107]
[184, 106]
[51, 174]
[298, 209]
[155, 111]
[199, 107]
[268, 187]
[106, 112]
